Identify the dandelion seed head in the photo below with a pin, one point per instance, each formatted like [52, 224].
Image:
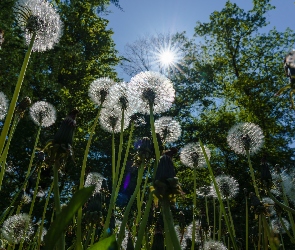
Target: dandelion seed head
[245, 136]
[168, 129]
[192, 155]
[153, 89]
[26, 199]
[228, 186]
[17, 227]
[186, 234]
[38, 16]
[3, 105]
[96, 179]
[288, 182]
[43, 113]
[99, 89]
[277, 226]
[110, 120]
[214, 245]
[269, 204]
[204, 191]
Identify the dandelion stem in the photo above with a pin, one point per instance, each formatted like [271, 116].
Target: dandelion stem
[15, 94]
[43, 215]
[155, 140]
[207, 210]
[128, 208]
[219, 197]
[82, 175]
[5, 152]
[247, 224]
[230, 217]
[194, 208]
[252, 174]
[283, 206]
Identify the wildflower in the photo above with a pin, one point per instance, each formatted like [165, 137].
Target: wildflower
[245, 136]
[192, 155]
[154, 90]
[26, 199]
[185, 235]
[3, 105]
[17, 227]
[99, 89]
[96, 179]
[120, 97]
[269, 204]
[110, 120]
[43, 113]
[39, 17]
[288, 181]
[227, 185]
[212, 244]
[204, 191]
[277, 227]
[168, 129]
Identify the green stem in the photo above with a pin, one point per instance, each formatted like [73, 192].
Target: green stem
[219, 224]
[61, 241]
[283, 206]
[120, 143]
[194, 208]
[93, 235]
[282, 240]
[43, 215]
[33, 152]
[15, 94]
[128, 208]
[286, 230]
[230, 217]
[214, 214]
[247, 224]
[207, 210]
[168, 220]
[219, 197]
[82, 176]
[115, 191]
[5, 152]
[143, 223]
[259, 232]
[114, 173]
[155, 140]
[252, 174]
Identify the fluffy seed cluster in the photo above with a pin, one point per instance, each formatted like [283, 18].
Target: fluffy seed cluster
[3, 105]
[269, 204]
[245, 136]
[99, 89]
[214, 245]
[192, 155]
[152, 89]
[110, 120]
[277, 226]
[38, 16]
[204, 191]
[168, 129]
[17, 227]
[185, 235]
[288, 182]
[43, 113]
[228, 187]
[96, 179]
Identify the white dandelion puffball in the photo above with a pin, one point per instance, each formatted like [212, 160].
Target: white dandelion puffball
[38, 16]
[277, 226]
[153, 88]
[120, 97]
[110, 120]
[187, 233]
[288, 182]
[168, 129]
[245, 136]
[227, 185]
[269, 204]
[43, 113]
[192, 155]
[204, 191]
[17, 227]
[216, 245]
[99, 89]
[3, 105]
[96, 179]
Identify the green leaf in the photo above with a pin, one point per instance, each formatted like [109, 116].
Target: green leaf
[66, 215]
[105, 244]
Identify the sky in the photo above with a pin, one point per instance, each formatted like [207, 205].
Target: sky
[148, 17]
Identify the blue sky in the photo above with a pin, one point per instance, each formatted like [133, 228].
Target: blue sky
[144, 17]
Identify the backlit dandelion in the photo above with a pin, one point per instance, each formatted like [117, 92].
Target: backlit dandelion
[192, 155]
[214, 245]
[99, 89]
[185, 235]
[168, 129]
[96, 179]
[204, 191]
[39, 17]
[277, 227]
[3, 105]
[245, 136]
[16, 228]
[43, 113]
[120, 97]
[269, 204]
[288, 182]
[153, 89]
[227, 185]
[110, 120]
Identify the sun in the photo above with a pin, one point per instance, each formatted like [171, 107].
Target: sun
[167, 58]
